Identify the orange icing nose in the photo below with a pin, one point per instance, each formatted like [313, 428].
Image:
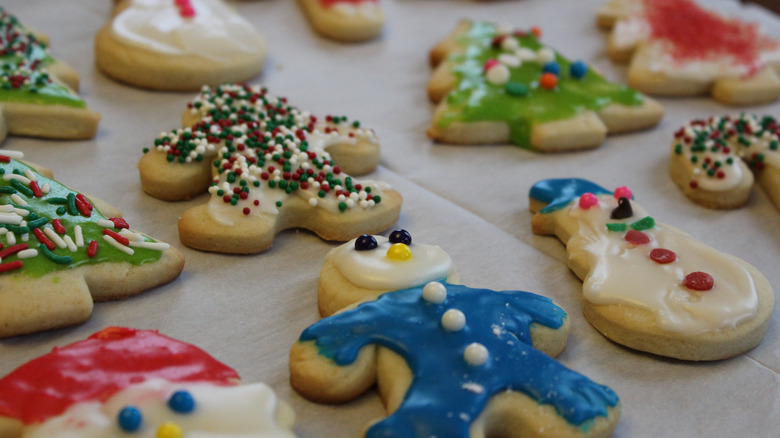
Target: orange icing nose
[399, 251]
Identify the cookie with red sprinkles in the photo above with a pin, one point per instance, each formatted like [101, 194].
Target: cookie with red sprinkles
[38, 93]
[345, 20]
[268, 166]
[649, 286]
[61, 250]
[681, 48]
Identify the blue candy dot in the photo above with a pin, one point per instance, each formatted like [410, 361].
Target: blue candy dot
[181, 402]
[577, 69]
[130, 418]
[552, 67]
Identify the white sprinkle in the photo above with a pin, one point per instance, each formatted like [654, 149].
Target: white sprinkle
[10, 238]
[10, 218]
[159, 246]
[545, 55]
[69, 242]
[434, 292]
[18, 200]
[509, 60]
[6, 207]
[27, 253]
[131, 235]
[20, 178]
[453, 320]
[475, 354]
[79, 235]
[498, 75]
[476, 388]
[30, 175]
[25, 237]
[13, 154]
[45, 188]
[51, 234]
[313, 202]
[525, 54]
[105, 223]
[117, 245]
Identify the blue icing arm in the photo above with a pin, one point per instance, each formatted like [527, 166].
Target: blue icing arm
[447, 392]
[559, 192]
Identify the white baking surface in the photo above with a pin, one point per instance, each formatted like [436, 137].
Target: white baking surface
[472, 201]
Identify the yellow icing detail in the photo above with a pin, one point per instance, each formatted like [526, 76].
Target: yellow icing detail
[399, 251]
[169, 430]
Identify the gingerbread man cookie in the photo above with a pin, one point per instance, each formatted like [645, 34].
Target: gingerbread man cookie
[345, 20]
[715, 161]
[453, 361]
[497, 85]
[60, 251]
[649, 286]
[679, 48]
[37, 92]
[268, 166]
[123, 382]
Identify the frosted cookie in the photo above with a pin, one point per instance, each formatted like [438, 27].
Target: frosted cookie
[678, 48]
[178, 44]
[37, 92]
[498, 85]
[368, 266]
[649, 286]
[712, 159]
[124, 382]
[268, 166]
[345, 20]
[60, 251]
[453, 361]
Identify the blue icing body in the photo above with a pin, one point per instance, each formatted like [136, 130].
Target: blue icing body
[558, 193]
[447, 393]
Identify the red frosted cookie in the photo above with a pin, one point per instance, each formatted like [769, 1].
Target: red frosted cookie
[345, 20]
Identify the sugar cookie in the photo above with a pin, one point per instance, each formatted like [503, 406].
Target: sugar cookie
[345, 20]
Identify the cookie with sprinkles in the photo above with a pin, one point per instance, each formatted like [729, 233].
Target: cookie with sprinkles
[679, 48]
[497, 85]
[454, 361]
[345, 20]
[37, 92]
[268, 166]
[649, 286]
[123, 382]
[178, 44]
[60, 251]
[716, 160]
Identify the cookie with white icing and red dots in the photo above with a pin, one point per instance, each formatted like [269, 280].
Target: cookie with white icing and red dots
[368, 266]
[495, 84]
[345, 20]
[178, 44]
[37, 92]
[124, 382]
[716, 160]
[454, 361]
[649, 286]
[679, 48]
[60, 251]
[268, 166]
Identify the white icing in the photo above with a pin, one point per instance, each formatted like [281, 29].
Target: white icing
[372, 269]
[623, 273]
[215, 32]
[243, 411]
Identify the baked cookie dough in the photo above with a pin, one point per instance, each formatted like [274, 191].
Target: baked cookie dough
[345, 20]
[649, 286]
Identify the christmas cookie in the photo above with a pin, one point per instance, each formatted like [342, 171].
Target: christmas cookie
[60, 251]
[368, 266]
[345, 20]
[38, 93]
[712, 159]
[498, 85]
[124, 382]
[453, 361]
[268, 166]
[649, 286]
[178, 44]
[678, 48]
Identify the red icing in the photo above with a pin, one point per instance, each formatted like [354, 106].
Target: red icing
[699, 281]
[695, 33]
[100, 366]
[635, 237]
[662, 256]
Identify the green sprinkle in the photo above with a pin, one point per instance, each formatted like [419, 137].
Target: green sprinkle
[342, 206]
[617, 227]
[7, 190]
[516, 89]
[278, 204]
[16, 229]
[37, 223]
[21, 187]
[63, 260]
[72, 210]
[61, 210]
[645, 223]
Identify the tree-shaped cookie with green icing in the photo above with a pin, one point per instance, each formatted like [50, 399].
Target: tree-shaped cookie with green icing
[37, 92]
[497, 85]
[267, 166]
[60, 251]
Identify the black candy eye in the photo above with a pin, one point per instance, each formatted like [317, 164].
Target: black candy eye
[401, 236]
[623, 210]
[365, 242]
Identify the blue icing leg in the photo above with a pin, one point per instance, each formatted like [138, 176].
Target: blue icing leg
[447, 392]
[558, 193]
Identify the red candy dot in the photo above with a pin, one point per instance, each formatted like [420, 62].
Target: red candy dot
[693, 184]
[588, 200]
[548, 81]
[246, 210]
[490, 63]
[662, 256]
[699, 281]
[623, 191]
[635, 237]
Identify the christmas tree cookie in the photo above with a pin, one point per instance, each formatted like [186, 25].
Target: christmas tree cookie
[649, 286]
[679, 48]
[345, 20]
[123, 382]
[454, 361]
[497, 85]
[61, 250]
[268, 166]
[38, 93]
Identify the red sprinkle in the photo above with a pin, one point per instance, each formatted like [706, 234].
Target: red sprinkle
[92, 249]
[43, 239]
[588, 200]
[119, 222]
[58, 227]
[246, 211]
[699, 281]
[10, 266]
[622, 192]
[37, 192]
[11, 250]
[662, 256]
[635, 237]
[84, 199]
[5, 159]
[121, 239]
[693, 184]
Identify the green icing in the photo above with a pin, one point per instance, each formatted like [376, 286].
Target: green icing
[41, 264]
[474, 99]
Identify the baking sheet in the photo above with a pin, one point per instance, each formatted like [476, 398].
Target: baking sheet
[472, 201]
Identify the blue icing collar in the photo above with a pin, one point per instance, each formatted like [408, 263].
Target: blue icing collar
[447, 393]
[558, 193]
